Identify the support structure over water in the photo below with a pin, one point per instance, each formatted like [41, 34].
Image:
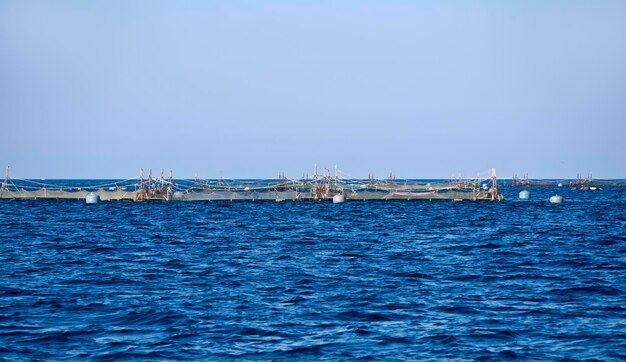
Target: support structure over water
[323, 187]
[580, 183]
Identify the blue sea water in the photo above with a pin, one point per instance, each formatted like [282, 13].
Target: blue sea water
[316, 281]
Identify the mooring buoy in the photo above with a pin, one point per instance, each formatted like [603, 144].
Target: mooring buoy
[556, 199]
[339, 199]
[524, 195]
[92, 198]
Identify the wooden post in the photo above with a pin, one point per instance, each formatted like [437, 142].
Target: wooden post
[141, 179]
[5, 187]
[149, 181]
[141, 191]
[495, 195]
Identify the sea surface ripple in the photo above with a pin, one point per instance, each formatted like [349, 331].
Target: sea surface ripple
[315, 281]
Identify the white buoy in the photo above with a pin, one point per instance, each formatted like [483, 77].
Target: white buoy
[556, 199]
[339, 199]
[560, 185]
[524, 195]
[92, 198]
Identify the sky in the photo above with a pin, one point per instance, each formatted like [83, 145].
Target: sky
[248, 89]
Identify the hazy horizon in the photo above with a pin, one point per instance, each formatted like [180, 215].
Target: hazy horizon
[243, 89]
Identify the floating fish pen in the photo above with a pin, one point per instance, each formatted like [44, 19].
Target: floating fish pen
[318, 188]
[35, 190]
[524, 181]
[580, 183]
[136, 189]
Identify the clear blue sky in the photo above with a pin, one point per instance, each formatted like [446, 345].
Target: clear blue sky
[246, 89]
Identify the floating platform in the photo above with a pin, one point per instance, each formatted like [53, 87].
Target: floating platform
[43, 194]
[276, 192]
[322, 188]
[294, 195]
